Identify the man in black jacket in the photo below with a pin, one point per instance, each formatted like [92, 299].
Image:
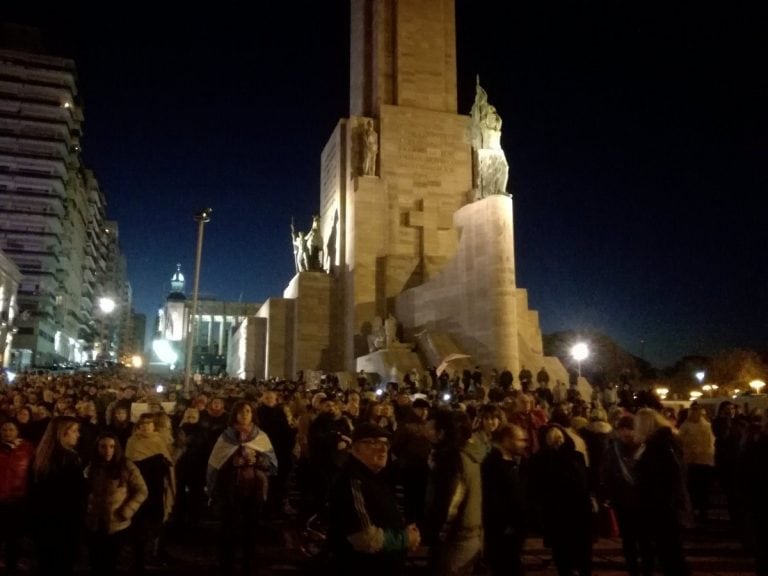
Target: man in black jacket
[368, 535]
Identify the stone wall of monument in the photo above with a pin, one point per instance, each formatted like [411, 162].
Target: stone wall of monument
[473, 298]
[398, 227]
[314, 322]
[333, 181]
[246, 353]
[279, 313]
[402, 52]
[425, 49]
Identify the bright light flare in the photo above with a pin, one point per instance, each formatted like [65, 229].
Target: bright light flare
[164, 351]
[107, 305]
[580, 351]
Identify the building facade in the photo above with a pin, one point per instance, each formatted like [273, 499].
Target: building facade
[51, 207]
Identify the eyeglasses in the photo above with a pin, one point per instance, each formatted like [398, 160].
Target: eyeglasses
[375, 443]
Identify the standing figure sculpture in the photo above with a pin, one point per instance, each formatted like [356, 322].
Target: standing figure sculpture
[370, 149]
[300, 256]
[491, 169]
[314, 245]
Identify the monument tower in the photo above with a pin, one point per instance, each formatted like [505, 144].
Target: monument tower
[416, 224]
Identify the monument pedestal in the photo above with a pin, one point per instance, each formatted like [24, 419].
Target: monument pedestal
[391, 364]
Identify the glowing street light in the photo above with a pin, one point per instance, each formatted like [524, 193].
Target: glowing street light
[700, 376]
[107, 305]
[662, 392]
[201, 218]
[695, 394]
[757, 385]
[580, 352]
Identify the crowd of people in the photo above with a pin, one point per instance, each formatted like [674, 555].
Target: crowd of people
[460, 469]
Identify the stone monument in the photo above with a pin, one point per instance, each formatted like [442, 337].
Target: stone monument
[416, 218]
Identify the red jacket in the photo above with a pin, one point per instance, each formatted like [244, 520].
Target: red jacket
[15, 462]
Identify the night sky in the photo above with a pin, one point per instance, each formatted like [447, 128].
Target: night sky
[637, 138]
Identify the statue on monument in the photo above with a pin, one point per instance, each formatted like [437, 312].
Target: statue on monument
[370, 149]
[491, 169]
[308, 248]
[390, 331]
[300, 260]
[315, 245]
[486, 122]
[377, 338]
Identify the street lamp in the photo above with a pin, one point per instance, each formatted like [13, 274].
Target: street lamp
[201, 218]
[579, 352]
[107, 306]
[757, 385]
[700, 376]
[695, 395]
[662, 393]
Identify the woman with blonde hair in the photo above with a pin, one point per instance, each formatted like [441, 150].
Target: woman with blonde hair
[57, 497]
[661, 491]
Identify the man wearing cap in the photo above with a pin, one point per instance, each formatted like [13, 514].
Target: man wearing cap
[368, 535]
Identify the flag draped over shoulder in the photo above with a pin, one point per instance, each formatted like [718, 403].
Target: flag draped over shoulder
[229, 442]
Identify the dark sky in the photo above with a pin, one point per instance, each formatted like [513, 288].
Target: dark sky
[637, 138]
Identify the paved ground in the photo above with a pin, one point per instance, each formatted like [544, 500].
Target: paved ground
[712, 550]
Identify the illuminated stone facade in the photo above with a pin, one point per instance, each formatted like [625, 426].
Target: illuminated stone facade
[407, 233]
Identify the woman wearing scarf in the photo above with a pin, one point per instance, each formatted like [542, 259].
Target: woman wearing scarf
[238, 467]
[149, 451]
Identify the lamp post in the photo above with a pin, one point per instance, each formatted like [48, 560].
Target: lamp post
[579, 352]
[700, 376]
[201, 218]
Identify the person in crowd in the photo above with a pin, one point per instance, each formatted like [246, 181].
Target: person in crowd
[23, 421]
[562, 417]
[596, 435]
[16, 456]
[489, 418]
[368, 534]
[505, 512]
[411, 445]
[524, 414]
[273, 420]
[662, 495]
[213, 421]
[560, 490]
[149, 451]
[191, 461]
[116, 489]
[304, 464]
[121, 425]
[453, 523]
[728, 430]
[330, 435]
[698, 443]
[89, 429]
[751, 478]
[57, 497]
[239, 467]
[618, 490]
